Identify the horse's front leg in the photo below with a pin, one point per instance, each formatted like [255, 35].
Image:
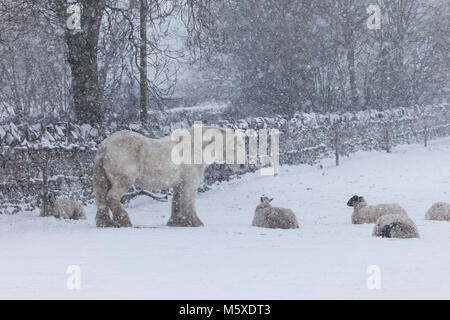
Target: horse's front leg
[176, 206]
[183, 207]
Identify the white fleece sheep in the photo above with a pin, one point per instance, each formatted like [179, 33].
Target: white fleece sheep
[395, 226]
[65, 209]
[363, 213]
[439, 211]
[267, 216]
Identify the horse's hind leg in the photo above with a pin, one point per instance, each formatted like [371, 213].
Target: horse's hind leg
[120, 216]
[102, 218]
[101, 187]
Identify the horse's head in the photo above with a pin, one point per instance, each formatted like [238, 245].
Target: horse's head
[225, 146]
[208, 145]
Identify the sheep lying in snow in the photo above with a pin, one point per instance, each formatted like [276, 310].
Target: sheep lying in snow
[363, 213]
[65, 209]
[9, 210]
[439, 211]
[395, 226]
[267, 216]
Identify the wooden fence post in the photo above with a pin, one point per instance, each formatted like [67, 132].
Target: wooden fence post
[387, 137]
[44, 168]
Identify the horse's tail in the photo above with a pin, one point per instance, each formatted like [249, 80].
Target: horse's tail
[101, 184]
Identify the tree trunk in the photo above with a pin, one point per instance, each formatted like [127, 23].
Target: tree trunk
[349, 43]
[143, 64]
[44, 168]
[82, 57]
[336, 145]
[336, 153]
[387, 139]
[352, 75]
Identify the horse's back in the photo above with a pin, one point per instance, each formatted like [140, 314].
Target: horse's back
[122, 152]
[139, 159]
[124, 137]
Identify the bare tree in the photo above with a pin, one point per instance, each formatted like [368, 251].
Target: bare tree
[152, 61]
[33, 82]
[82, 49]
[143, 65]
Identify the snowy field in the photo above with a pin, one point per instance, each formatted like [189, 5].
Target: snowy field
[327, 257]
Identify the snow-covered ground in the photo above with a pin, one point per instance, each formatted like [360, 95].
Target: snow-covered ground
[208, 106]
[327, 257]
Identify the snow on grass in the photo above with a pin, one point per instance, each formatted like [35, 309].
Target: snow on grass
[227, 258]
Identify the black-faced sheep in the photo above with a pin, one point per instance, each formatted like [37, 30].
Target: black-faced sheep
[267, 216]
[395, 226]
[363, 213]
[65, 209]
[439, 211]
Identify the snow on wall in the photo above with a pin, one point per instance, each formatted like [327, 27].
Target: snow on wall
[68, 150]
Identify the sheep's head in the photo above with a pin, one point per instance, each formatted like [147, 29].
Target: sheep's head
[51, 198]
[265, 199]
[78, 215]
[387, 230]
[265, 202]
[355, 200]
